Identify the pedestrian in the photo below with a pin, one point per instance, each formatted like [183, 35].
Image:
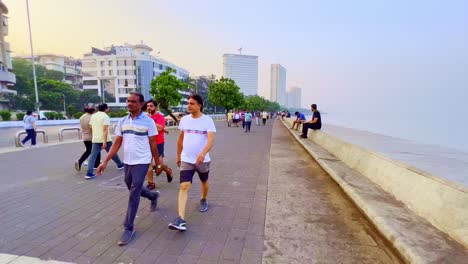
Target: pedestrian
[152, 107]
[248, 121]
[230, 117]
[315, 123]
[243, 118]
[137, 133]
[87, 138]
[195, 141]
[264, 117]
[257, 118]
[236, 118]
[100, 123]
[29, 123]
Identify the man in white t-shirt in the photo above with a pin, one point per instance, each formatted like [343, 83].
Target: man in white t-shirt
[195, 141]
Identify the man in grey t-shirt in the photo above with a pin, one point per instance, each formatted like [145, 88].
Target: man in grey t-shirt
[30, 127]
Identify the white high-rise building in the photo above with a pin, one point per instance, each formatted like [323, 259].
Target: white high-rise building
[117, 71]
[243, 69]
[278, 84]
[294, 96]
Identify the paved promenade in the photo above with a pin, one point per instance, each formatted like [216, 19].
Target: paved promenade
[270, 202]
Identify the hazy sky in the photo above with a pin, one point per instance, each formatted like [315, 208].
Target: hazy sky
[398, 60]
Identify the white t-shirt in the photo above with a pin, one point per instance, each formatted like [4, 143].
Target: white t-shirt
[195, 136]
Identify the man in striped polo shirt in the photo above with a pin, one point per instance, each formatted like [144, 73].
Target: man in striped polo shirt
[137, 133]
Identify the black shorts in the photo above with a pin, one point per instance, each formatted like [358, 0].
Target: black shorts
[187, 170]
[160, 149]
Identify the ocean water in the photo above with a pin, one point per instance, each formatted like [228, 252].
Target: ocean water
[430, 128]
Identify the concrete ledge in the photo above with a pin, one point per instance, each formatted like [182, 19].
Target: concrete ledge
[416, 238]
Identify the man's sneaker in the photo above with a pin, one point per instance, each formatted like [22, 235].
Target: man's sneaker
[302, 136]
[22, 144]
[154, 202]
[77, 166]
[126, 237]
[178, 224]
[203, 205]
[121, 167]
[85, 163]
[90, 176]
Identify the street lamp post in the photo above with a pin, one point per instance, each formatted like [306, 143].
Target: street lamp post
[32, 59]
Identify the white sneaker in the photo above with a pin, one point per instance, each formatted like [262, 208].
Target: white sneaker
[22, 144]
[85, 163]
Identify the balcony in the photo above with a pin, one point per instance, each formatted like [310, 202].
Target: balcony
[7, 77]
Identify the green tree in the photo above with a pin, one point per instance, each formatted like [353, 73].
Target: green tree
[256, 103]
[18, 102]
[273, 107]
[166, 89]
[225, 93]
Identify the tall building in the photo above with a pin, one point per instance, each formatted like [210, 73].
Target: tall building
[117, 71]
[278, 84]
[243, 69]
[70, 67]
[7, 78]
[294, 96]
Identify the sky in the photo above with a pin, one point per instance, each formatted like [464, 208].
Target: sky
[400, 65]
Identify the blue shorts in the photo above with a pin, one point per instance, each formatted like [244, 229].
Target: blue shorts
[160, 149]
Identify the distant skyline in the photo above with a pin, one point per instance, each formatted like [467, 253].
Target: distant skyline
[395, 59]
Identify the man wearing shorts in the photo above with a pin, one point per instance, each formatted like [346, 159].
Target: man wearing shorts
[300, 119]
[152, 107]
[195, 141]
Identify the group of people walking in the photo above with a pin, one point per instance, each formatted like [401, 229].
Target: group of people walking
[246, 118]
[142, 137]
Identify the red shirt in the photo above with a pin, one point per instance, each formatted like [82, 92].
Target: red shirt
[160, 120]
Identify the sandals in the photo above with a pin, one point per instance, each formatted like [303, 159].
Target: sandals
[169, 174]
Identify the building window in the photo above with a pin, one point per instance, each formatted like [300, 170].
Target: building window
[134, 63]
[109, 63]
[103, 72]
[125, 62]
[110, 72]
[125, 72]
[134, 72]
[122, 100]
[160, 66]
[153, 65]
[90, 82]
[102, 63]
[117, 63]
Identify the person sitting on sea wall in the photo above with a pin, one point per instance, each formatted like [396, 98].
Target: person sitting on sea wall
[315, 123]
[300, 119]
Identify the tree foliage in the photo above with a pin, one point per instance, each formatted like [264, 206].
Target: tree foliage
[51, 88]
[166, 89]
[225, 92]
[256, 103]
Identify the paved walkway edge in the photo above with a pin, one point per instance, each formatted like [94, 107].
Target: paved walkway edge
[413, 237]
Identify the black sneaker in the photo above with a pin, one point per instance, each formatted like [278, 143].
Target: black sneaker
[121, 167]
[154, 202]
[178, 224]
[302, 136]
[77, 166]
[203, 205]
[126, 237]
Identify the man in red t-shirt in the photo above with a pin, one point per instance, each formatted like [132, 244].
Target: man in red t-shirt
[152, 108]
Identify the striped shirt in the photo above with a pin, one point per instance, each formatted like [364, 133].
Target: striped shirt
[136, 133]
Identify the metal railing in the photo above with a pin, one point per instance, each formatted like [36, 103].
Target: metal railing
[45, 138]
[60, 133]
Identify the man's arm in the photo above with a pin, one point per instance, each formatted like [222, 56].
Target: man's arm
[180, 142]
[154, 150]
[113, 150]
[104, 136]
[206, 149]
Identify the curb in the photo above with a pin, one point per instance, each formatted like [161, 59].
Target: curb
[414, 238]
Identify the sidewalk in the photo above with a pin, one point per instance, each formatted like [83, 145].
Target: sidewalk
[49, 211]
